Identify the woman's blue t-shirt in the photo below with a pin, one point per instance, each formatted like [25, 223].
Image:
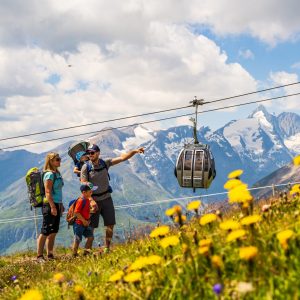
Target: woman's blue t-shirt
[57, 187]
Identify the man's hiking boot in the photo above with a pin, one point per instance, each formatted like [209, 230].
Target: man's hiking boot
[50, 256]
[40, 259]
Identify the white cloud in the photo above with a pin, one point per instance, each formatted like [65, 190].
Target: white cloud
[247, 54]
[282, 78]
[126, 57]
[119, 79]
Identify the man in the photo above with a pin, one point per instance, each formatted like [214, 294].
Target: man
[96, 172]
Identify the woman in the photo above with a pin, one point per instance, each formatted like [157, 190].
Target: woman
[52, 207]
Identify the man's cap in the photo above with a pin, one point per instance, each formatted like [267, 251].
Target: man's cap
[87, 187]
[80, 154]
[93, 147]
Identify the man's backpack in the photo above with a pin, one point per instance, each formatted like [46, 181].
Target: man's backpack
[35, 186]
[71, 218]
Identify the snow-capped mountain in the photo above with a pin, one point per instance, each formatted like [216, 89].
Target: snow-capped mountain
[259, 145]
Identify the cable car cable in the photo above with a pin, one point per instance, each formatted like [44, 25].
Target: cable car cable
[148, 122]
[143, 114]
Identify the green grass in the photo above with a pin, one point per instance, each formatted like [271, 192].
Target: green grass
[183, 273]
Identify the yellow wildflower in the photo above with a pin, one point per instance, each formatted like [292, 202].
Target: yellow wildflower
[251, 219]
[170, 212]
[59, 277]
[235, 174]
[295, 189]
[236, 234]
[32, 295]
[232, 183]
[284, 236]
[297, 160]
[116, 277]
[194, 205]
[248, 253]
[183, 218]
[203, 250]
[154, 260]
[138, 264]
[78, 289]
[239, 194]
[208, 218]
[229, 225]
[144, 261]
[169, 241]
[206, 242]
[160, 231]
[177, 208]
[133, 276]
[217, 261]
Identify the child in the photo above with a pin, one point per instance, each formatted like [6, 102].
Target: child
[82, 210]
[81, 158]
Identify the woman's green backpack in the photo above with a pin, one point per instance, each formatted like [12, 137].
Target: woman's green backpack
[35, 187]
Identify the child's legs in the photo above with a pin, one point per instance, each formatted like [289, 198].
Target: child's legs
[88, 233]
[78, 232]
[75, 246]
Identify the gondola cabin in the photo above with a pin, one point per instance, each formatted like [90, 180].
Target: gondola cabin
[195, 166]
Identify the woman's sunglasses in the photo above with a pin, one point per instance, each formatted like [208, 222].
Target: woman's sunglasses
[57, 159]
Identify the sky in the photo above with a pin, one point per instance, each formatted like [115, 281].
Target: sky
[67, 63]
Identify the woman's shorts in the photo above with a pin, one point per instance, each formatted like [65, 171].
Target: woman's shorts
[50, 223]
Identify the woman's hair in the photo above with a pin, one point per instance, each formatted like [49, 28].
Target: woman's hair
[48, 162]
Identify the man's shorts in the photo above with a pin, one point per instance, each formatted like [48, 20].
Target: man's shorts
[80, 230]
[50, 222]
[107, 210]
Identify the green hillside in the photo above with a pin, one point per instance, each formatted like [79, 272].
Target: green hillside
[250, 252]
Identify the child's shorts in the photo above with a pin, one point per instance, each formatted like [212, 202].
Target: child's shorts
[80, 230]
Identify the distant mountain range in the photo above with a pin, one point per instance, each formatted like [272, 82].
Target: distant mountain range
[259, 144]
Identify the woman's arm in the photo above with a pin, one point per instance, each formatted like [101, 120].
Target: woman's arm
[48, 193]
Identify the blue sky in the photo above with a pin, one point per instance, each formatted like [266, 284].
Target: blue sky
[86, 66]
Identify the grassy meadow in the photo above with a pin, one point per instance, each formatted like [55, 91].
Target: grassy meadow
[250, 252]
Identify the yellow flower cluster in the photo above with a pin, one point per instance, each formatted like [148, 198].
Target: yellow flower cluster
[145, 261]
[205, 242]
[217, 261]
[284, 236]
[194, 205]
[295, 189]
[160, 231]
[59, 277]
[116, 277]
[169, 241]
[177, 218]
[170, 212]
[232, 183]
[133, 277]
[78, 289]
[32, 295]
[248, 253]
[249, 220]
[235, 174]
[208, 218]
[239, 194]
[297, 160]
[230, 225]
[235, 235]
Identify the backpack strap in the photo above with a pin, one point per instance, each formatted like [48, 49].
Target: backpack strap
[90, 167]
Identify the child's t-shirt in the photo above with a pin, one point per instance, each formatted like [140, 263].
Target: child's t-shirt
[82, 207]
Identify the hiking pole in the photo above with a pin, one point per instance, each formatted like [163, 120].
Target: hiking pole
[35, 223]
